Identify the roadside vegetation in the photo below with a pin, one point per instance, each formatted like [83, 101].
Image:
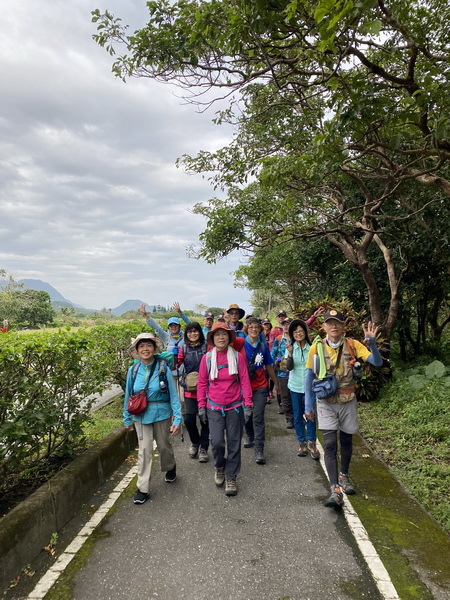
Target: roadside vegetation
[409, 428]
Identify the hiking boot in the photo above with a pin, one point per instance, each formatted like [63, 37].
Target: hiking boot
[193, 451]
[231, 487]
[171, 475]
[315, 454]
[289, 425]
[302, 449]
[335, 499]
[249, 442]
[259, 456]
[345, 484]
[203, 455]
[140, 497]
[219, 476]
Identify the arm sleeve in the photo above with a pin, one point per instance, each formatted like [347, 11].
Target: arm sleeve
[184, 317]
[180, 356]
[245, 381]
[202, 384]
[127, 421]
[163, 335]
[310, 398]
[310, 321]
[268, 360]
[174, 399]
[374, 357]
[274, 349]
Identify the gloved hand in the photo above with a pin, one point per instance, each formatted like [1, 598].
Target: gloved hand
[248, 412]
[202, 415]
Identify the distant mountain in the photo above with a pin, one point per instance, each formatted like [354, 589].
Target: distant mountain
[43, 286]
[129, 305]
[58, 300]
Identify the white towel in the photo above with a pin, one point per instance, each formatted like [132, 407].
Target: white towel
[231, 359]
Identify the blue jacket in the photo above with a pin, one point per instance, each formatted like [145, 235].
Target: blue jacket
[159, 407]
[170, 341]
[278, 351]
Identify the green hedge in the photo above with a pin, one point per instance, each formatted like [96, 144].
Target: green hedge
[45, 384]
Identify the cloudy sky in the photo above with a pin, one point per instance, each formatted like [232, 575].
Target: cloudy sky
[90, 198]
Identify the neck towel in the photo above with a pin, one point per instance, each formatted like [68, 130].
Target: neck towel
[231, 359]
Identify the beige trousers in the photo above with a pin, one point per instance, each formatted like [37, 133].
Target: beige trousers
[160, 432]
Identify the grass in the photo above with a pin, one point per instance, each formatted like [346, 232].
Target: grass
[103, 421]
[410, 429]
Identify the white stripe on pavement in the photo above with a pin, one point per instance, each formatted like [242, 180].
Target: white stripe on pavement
[367, 549]
[51, 576]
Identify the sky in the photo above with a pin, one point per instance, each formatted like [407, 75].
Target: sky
[90, 198]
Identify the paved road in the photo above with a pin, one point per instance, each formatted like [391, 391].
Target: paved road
[273, 541]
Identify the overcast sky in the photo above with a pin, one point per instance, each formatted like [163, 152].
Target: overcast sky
[90, 198]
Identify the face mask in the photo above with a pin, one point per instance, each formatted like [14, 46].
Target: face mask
[335, 344]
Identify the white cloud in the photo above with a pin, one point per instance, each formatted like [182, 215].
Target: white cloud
[90, 198]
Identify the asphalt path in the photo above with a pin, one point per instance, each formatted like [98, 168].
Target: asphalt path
[274, 541]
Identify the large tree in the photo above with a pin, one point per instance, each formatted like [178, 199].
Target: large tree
[343, 113]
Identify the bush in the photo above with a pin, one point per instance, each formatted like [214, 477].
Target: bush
[45, 388]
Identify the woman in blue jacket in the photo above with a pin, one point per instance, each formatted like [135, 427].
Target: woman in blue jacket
[161, 419]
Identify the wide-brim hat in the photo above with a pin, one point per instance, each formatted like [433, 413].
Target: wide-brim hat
[159, 347]
[293, 326]
[216, 327]
[236, 307]
[334, 314]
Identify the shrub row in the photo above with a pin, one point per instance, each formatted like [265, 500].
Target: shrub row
[46, 386]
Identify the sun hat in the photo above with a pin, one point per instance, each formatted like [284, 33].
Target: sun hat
[159, 347]
[293, 326]
[237, 307]
[216, 327]
[334, 314]
[173, 321]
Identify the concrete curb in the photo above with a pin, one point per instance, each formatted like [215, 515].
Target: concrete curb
[28, 527]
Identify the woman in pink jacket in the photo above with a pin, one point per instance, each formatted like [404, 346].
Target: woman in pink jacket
[224, 397]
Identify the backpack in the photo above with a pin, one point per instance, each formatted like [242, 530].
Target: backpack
[189, 376]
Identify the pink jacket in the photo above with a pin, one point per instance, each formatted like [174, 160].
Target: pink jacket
[227, 390]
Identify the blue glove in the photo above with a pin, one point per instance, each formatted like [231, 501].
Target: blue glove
[202, 415]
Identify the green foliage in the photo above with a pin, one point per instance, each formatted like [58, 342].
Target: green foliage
[46, 389]
[342, 132]
[410, 429]
[25, 307]
[420, 376]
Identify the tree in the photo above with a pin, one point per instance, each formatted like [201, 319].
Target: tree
[344, 108]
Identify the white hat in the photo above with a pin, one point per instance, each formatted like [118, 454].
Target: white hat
[145, 336]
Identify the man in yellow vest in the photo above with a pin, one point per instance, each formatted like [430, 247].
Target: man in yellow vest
[338, 411]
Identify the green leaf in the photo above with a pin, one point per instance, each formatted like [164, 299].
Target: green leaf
[435, 369]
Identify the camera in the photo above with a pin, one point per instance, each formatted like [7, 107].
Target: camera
[357, 371]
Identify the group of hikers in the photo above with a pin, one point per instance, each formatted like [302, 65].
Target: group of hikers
[226, 372]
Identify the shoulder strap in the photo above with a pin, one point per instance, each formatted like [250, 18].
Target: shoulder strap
[351, 348]
[134, 374]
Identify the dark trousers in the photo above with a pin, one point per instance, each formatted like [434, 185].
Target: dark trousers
[285, 399]
[230, 422]
[199, 438]
[255, 427]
